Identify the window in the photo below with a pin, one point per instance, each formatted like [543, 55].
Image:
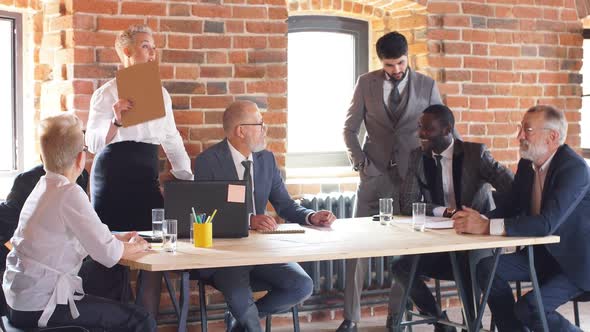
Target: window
[325, 57]
[10, 98]
[585, 123]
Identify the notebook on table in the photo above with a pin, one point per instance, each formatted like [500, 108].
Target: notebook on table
[228, 197]
[285, 229]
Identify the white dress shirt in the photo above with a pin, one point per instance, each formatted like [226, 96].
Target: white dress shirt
[237, 157]
[57, 228]
[159, 131]
[388, 86]
[448, 185]
[497, 225]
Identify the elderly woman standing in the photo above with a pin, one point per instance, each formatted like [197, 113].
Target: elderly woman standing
[124, 183]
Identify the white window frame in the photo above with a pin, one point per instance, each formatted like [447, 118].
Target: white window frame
[6, 176]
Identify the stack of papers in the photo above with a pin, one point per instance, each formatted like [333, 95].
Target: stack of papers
[431, 222]
[286, 229]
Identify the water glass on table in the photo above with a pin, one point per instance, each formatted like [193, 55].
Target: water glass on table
[385, 210]
[157, 220]
[419, 216]
[170, 232]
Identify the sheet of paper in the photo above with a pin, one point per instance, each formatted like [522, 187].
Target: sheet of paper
[431, 222]
[142, 85]
[448, 223]
[236, 193]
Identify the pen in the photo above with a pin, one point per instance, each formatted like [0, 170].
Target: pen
[212, 216]
[195, 214]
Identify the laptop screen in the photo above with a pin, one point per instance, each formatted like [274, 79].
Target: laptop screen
[227, 197]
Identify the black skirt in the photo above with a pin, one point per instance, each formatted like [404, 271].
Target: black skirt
[125, 187]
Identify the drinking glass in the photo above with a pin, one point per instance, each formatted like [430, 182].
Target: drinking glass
[419, 216]
[385, 210]
[157, 219]
[169, 229]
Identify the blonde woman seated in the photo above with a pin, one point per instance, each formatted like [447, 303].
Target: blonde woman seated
[56, 230]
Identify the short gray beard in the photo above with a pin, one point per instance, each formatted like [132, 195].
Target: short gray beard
[257, 147]
[534, 152]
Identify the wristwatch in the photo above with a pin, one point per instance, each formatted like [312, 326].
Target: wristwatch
[116, 123]
[449, 212]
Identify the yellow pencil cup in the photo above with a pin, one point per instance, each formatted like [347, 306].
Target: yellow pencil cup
[203, 235]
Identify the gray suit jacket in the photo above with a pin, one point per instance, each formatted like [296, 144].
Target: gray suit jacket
[474, 170]
[384, 141]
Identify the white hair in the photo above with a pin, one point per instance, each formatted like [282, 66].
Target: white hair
[554, 119]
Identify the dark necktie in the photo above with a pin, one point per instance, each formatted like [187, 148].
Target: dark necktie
[439, 194]
[394, 96]
[248, 178]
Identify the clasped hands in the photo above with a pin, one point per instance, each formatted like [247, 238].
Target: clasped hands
[263, 222]
[470, 221]
[133, 237]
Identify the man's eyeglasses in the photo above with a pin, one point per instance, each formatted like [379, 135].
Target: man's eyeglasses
[261, 124]
[529, 130]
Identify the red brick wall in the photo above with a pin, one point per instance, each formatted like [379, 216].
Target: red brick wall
[211, 53]
[492, 59]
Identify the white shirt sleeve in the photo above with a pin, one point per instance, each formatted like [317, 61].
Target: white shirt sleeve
[173, 146]
[438, 211]
[497, 227]
[99, 119]
[94, 236]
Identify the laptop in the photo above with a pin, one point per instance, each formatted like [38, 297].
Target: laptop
[228, 197]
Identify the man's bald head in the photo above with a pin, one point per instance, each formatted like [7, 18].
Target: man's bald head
[241, 111]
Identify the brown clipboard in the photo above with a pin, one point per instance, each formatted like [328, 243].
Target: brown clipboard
[141, 84]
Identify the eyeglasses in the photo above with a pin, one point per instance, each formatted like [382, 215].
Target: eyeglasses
[261, 124]
[529, 130]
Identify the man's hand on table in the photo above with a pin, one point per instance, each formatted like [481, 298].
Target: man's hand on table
[470, 221]
[322, 218]
[262, 222]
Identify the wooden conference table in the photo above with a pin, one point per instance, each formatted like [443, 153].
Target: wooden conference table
[347, 238]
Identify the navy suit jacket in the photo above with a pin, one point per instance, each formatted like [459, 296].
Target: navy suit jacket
[565, 211]
[216, 163]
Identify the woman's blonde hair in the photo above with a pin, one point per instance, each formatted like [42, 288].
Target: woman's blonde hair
[126, 37]
[61, 140]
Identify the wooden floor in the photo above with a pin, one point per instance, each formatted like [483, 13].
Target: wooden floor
[377, 324]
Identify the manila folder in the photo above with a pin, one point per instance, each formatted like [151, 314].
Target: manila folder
[142, 85]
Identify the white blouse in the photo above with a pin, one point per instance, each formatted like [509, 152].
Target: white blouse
[57, 229]
[159, 131]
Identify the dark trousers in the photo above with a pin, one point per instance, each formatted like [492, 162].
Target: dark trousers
[436, 266]
[287, 284]
[95, 313]
[556, 290]
[113, 283]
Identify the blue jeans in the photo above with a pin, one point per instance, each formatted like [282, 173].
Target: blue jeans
[287, 284]
[556, 289]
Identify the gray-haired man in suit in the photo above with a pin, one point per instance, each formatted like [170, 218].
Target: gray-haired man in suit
[447, 174]
[389, 102]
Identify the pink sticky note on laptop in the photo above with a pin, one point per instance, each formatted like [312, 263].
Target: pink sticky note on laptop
[236, 193]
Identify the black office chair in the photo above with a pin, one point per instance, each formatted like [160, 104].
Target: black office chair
[7, 327]
[203, 309]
